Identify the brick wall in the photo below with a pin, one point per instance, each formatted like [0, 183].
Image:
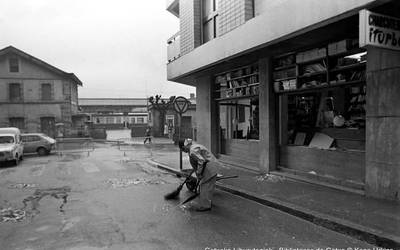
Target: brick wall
[190, 24]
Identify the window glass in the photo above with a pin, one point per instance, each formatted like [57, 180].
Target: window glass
[17, 122]
[6, 139]
[339, 111]
[208, 7]
[140, 120]
[36, 138]
[13, 63]
[208, 30]
[109, 120]
[46, 91]
[239, 119]
[15, 92]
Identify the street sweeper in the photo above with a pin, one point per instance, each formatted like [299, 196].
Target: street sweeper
[204, 165]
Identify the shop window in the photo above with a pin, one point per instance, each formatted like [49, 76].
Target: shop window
[236, 92]
[239, 119]
[15, 92]
[13, 65]
[323, 97]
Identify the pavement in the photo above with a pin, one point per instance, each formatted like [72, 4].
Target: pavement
[374, 221]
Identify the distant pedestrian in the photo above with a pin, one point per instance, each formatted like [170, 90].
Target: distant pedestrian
[166, 130]
[147, 135]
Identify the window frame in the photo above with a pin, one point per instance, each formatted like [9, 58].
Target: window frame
[210, 17]
[51, 97]
[21, 92]
[10, 66]
[19, 120]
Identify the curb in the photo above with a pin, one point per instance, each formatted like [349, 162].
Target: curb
[348, 228]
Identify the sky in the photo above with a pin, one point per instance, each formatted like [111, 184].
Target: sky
[117, 48]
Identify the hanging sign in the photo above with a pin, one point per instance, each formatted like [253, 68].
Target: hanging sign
[379, 30]
[181, 104]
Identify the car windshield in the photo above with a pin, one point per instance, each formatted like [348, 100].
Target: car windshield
[6, 139]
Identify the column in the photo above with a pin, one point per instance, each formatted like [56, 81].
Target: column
[383, 124]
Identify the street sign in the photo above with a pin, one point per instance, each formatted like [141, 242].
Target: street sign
[181, 104]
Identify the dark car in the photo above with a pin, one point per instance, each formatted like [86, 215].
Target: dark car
[38, 143]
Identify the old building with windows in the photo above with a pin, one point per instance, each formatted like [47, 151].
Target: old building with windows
[304, 89]
[115, 113]
[36, 96]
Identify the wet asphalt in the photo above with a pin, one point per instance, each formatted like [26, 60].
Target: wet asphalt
[113, 199]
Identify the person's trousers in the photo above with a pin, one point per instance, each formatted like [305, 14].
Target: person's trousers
[207, 188]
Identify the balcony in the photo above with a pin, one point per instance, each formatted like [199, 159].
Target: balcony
[173, 7]
[174, 47]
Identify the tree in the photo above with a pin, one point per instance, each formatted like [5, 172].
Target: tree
[161, 105]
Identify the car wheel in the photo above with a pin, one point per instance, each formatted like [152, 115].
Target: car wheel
[42, 151]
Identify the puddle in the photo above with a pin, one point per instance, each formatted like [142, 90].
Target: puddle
[22, 186]
[70, 157]
[13, 215]
[58, 193]
[270, 178]
[126, 182]
[38, 170]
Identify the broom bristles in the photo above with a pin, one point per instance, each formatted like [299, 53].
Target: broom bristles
[172, 195]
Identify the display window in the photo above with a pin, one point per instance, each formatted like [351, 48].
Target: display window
[236, 93]
[239, 119]
[322, 96]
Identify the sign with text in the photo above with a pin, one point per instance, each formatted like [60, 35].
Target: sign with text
[379, 30]
[181, 104]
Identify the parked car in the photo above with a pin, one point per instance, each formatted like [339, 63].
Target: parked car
[11, 147]
[38, 143]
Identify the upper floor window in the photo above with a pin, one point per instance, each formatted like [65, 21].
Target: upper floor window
[46, 92]
[13, 64]
[15, 92]
[209, 17]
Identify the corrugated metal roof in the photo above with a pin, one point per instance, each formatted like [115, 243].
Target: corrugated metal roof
[112, 101]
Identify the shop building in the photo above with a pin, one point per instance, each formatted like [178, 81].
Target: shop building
[36, 96]
[307, 89]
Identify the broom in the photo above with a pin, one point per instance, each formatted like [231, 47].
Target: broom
[174, 194]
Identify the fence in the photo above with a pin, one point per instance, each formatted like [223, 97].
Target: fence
[74, 145]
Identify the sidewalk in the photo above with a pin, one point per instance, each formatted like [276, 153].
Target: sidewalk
[371, 220]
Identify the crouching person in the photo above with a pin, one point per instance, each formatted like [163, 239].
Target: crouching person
[205, 166]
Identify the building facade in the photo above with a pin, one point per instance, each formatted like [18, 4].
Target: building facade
[306, 89]
[168, 122]
[35, 96]
[115, 113]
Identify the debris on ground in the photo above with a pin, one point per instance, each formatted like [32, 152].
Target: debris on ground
[60, 193]
[10, 214]
[270, 178]
[21, 185]
[126, 182]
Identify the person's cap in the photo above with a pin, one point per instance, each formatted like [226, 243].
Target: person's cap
[187, 142]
